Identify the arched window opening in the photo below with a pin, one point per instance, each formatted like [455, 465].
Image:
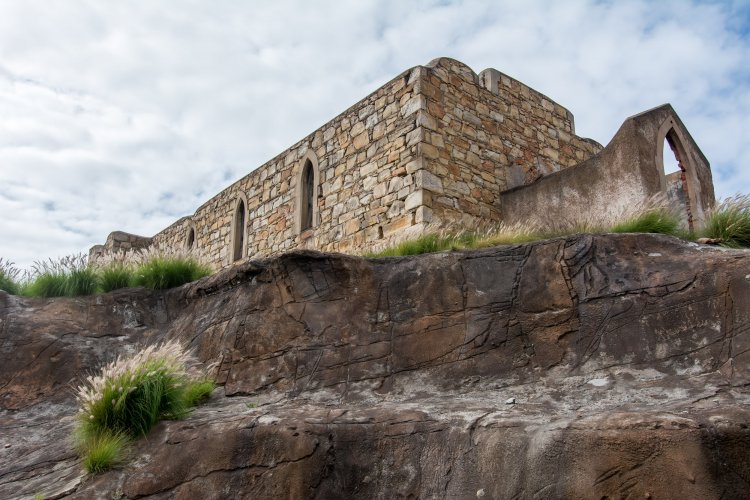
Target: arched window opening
[190, 241]
[308, 196]
[675, 175]
[238, 232]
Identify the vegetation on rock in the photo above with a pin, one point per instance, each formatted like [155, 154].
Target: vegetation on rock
[729, 222]
[130, 396]
[656, 215]
[73, 275]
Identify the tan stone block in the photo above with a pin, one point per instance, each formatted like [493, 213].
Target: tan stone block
[425, 120]
[361, 140]
[428, 150]
[413, 200]
[397, 224]
[357, 129]
[378, 131]
[351, 227]
[414, 104]
[426, 180]
[415, 136]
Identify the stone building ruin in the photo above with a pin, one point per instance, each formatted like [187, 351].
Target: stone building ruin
[437, 145]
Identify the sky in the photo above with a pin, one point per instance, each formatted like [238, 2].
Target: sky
[128, 115]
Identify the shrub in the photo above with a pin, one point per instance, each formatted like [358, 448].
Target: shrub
[115, 276]
[132, 394]
[729, 222]
[168, 272]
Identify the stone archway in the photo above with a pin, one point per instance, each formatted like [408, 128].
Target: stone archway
[681, 186]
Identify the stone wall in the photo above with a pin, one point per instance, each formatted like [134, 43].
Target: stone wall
[486, 133]
[624, 174]
[365, 173]
[437, 145]
[118, 242]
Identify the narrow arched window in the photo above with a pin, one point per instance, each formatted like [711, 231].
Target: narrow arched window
[190, 242]
[308, 196]
[238, 232]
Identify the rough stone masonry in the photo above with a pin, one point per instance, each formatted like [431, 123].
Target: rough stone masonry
[438, 145]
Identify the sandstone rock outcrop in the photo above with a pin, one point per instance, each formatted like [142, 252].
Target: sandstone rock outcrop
[627, 357]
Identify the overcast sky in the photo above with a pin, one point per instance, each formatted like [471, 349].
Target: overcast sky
[129, 115]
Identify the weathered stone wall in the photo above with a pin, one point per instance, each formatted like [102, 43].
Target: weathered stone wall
[118, 242]
[437, 145]
[366, 173]
[484, 134]
[627, 172]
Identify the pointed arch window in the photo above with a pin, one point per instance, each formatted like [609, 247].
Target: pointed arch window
[190, 240]
[308, 196]
[239, 230]
[307, 193]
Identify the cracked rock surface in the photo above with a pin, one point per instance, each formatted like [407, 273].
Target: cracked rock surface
[590, 366]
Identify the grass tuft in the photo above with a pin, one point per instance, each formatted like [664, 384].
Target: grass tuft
[661, 221]
[132, 394]
[103, 451]
[9, 277]
[115, 276]
[198, 391]
[69, 276]
[168, 272]
[729, 222]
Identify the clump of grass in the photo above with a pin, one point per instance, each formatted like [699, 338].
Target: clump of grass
[115, 275]
[661, 220]
[9, 277]
[131, 395]
[103, 450]
[68, 276]
[729, 222]
[506, 234]
[168, 272]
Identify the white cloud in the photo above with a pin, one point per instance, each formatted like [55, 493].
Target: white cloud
[129, 115]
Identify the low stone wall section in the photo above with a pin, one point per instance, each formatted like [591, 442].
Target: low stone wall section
[624, 174]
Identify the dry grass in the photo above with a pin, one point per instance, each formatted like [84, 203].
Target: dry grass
[655, 215]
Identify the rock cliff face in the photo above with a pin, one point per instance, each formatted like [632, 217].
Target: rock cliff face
[592, 366]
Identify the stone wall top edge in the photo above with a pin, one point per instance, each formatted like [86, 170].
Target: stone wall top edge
[176, 223]
[125, 233]
[531, 89]
[447, 62]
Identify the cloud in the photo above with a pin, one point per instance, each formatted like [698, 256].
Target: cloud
[127, 116]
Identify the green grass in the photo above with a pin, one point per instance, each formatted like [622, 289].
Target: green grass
[72, 276]
[115, 276]
[729, 222]
[167, 272]
[131, 395]
[103, 450]
[654, 218]
[653, 221]
[198, 391]
[9, 277]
